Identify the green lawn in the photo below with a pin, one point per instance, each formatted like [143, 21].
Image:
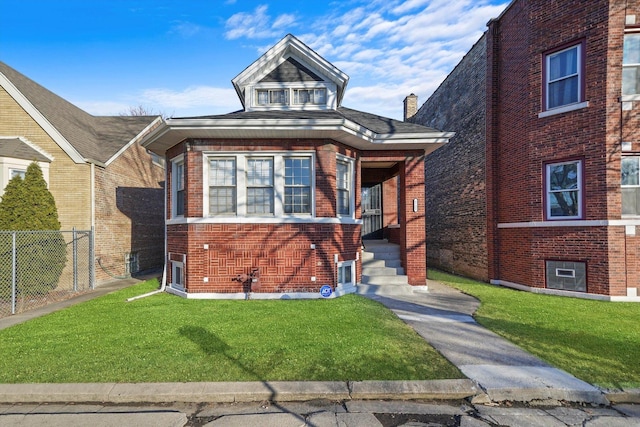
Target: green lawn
[596, 341]
[164, 338]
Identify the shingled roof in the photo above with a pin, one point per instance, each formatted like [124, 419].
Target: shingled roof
[95, 138]
[18, 148]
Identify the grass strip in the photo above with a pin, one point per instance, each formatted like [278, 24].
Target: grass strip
[596, 341]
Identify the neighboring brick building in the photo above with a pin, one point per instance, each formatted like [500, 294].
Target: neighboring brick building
[268, 199]
[555, 135]
[97, 171]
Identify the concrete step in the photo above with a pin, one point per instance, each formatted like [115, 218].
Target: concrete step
[371, 262]
[370, 289]
[380, 255]
[382, 270]
[385, 280]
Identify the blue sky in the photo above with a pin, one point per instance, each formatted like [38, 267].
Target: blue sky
[178, 57]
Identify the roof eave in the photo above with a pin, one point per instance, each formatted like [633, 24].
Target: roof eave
[174, 131]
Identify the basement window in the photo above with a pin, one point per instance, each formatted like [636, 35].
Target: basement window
[566, 275]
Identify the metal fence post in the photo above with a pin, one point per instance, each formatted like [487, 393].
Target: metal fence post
[74, 237]
[13, 273]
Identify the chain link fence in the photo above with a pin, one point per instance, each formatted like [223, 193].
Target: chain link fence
[41, 267]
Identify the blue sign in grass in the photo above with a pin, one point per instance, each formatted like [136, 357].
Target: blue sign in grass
[326, 291]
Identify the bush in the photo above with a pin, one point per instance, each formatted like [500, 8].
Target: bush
[27, 205]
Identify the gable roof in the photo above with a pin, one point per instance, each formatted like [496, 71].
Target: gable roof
[285, 55]
[85, 138]
[20, 148]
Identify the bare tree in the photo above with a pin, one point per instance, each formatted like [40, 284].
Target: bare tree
[141, 110]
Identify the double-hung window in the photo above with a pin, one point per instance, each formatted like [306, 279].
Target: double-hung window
[631, 64]
[255, 184]
[564, 190]
[630, 181]
[178, 187]
[344, 183]
[297, 185]
[563, 77]
[260, 186]
[222, 186]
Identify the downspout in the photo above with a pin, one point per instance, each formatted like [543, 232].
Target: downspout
[163, 283]
[93, 195]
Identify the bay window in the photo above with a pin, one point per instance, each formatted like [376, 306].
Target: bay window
[248, 184]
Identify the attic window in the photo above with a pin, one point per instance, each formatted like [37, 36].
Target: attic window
[309, 96]
[273, 97]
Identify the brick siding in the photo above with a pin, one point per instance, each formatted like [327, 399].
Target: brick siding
[455, 173]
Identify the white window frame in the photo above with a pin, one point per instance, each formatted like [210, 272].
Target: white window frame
[241, 182]
[176, 162]
[635, 187]
[15, 171]
[351, 185]
[175, 265]
[351, 265]
[578, 74]
[296, 96]
[625, 65]
[579, 190]
[252, 96]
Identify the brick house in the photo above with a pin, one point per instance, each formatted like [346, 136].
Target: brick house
[539, 188]
[98, 173]
[271, 199]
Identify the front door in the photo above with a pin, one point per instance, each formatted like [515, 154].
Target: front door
[372, 211]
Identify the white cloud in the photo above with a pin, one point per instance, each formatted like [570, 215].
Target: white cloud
[257, 24]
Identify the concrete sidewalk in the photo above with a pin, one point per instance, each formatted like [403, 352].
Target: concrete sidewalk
[498, 370]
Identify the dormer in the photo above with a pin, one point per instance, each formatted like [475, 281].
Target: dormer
[290, 76]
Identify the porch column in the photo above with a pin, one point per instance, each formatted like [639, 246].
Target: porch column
[413, 246]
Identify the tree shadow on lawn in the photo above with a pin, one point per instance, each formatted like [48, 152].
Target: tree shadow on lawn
[214, 346]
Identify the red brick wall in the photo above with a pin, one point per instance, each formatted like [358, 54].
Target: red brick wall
[282, 252]
[129, 201]
[520, 143]
[455, 174]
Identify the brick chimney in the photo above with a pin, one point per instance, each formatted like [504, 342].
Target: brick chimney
[410, 106]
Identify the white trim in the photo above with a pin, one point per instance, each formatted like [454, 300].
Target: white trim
[338, 292]
[557, 292]
[172, 131]
[264, 220]
[41, 120]
[571, 223]
[135, 139]
[563, 109]
[289, 47]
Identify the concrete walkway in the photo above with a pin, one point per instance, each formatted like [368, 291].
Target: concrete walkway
[503, 371]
